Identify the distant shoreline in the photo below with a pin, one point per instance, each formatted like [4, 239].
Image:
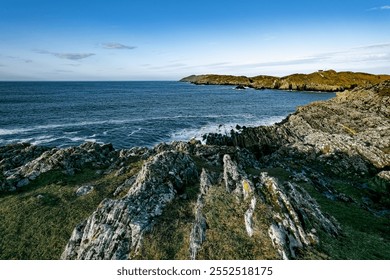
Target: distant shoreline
[327, 81]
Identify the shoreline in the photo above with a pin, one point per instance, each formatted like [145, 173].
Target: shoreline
[303, 188]
[320, 81]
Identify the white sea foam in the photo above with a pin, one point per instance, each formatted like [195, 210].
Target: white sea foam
[75, 139]
[83, 139]
[11, 131]
[21, 130]
[134, 131]
[197, 133]
[44, 140]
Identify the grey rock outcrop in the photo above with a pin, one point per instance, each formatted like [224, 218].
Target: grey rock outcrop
[115, 229]
[84, 190]
[296, 217]
[349, 135]
[198, 231]
[32, 162]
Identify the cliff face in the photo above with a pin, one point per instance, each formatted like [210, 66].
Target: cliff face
[318, 81]
[314, 186]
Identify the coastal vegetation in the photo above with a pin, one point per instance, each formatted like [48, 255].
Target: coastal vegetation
[328, 80]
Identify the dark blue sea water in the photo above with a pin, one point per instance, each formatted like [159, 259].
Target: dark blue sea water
[129, 114]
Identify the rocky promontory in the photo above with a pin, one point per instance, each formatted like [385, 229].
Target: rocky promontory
[330, 81]
[315, 186]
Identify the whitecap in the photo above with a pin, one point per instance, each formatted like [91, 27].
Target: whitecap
[225, 129]
[75, 139]
[134, 131]
[12, 131]
[44, 140]
[71, 132]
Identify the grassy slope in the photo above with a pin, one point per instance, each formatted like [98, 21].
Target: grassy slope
[39, 228]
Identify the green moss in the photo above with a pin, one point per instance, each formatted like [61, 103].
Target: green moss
[364, 235]
[280, 173]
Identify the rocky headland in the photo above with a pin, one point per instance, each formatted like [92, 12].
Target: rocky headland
[315, 186]
[329, 81]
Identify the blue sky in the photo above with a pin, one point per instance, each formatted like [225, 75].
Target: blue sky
[167, 40]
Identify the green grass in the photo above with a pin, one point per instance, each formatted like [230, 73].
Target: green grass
[37, 221]
[364, 235]
[169, 238]
[226, 236]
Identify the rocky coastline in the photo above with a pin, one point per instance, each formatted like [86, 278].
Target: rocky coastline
[314, 186]
[327, 81]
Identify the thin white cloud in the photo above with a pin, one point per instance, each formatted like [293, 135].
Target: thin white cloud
[182, 66]
[73, 56]
[70, 56]
[169, 66]
[385, 7]
[369, 55]
[63, 71]
[117, 46]
[385, 45]
[20, 59]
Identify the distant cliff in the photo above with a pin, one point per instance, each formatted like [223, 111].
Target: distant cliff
[329, 80]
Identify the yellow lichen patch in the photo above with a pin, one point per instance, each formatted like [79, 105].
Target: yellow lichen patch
[326, 149]
[246, 188]
[349, 130]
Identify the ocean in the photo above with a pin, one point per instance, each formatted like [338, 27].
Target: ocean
[128, 114]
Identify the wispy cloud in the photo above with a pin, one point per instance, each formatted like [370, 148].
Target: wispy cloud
[72, 64]
[369, 55]
[385, 45]
[20, 59]
[168, 66]
[350, 56]
[385, 7]
[183, 66]
[70, 56]
[117, 46]
[63, 71]
[73, 56]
